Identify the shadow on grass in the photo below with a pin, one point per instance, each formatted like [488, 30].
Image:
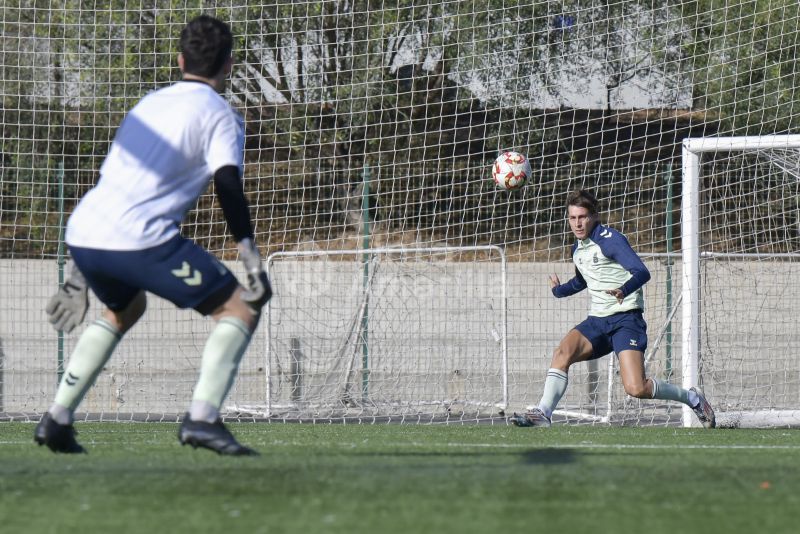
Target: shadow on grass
[543, 456]
[549, 456]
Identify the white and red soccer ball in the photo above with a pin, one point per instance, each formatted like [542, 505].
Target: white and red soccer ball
[511, 170]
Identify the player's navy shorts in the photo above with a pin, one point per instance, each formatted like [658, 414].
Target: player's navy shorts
[618, 332]
[179, 271]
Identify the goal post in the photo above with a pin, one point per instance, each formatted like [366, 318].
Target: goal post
[740, 253]
[392, 333]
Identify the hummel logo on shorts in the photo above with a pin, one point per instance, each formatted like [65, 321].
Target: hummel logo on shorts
[189, 278]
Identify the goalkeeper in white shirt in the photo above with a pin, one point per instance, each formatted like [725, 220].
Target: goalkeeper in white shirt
[608, 267]
[125, 241]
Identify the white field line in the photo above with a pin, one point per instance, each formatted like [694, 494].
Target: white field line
[616, 446]
[451, 445]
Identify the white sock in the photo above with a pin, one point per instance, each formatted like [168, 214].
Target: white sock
[61, 414]
[91, 353]
[554, 387]
[221, 356]
[666, 391]
[203, 411]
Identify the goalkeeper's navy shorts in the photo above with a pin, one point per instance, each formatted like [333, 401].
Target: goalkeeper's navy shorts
[179, 271]
[618, 332]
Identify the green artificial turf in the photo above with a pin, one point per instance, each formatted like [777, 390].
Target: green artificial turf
[403, 478]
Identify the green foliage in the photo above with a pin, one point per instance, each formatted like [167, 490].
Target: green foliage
[70, 71]
[333, 65]
[743, 58]
[339, 84]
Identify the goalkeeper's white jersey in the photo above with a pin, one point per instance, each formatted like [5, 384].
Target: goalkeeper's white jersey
[162, 159]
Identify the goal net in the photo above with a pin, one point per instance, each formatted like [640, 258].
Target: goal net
[371, 128]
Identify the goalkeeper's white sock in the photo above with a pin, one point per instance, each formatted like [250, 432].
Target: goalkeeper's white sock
[221, 356]
[93, 350]
[554, 387]
[666, 391]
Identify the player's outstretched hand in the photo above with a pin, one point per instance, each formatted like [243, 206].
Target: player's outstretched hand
[258, 290]
[67, 308]
[554, 281]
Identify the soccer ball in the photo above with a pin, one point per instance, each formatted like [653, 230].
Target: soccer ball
[511, 170]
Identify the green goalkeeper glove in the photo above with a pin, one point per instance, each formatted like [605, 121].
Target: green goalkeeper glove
[67, 308]
[258, 290]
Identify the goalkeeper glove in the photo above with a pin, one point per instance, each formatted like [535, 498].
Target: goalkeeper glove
[258, 290]
[67, 308]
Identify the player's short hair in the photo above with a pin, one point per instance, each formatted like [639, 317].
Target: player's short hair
[584, 198]
[206, 43]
